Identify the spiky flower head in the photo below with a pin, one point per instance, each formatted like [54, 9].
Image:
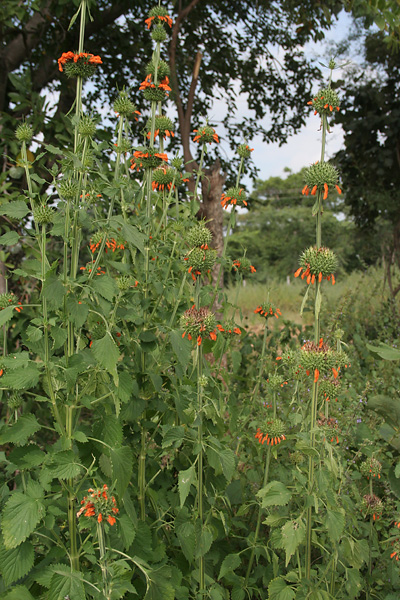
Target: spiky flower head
[68, 188]
[243, 266]
[99, 504]
[234, 196]
[203, 380]
[24, 133]
[163, 178]
[276, 381]
[229, 329]
[163, 126]
[267, 310]
[163, 69]
[319, 359]
[198, 323]
[82, 65]
[7, 299]
[371, 468]
[147, 158]
[272, 432]
[320, 177]
[372, 505]
[43, 215]
[124, 106]
[177, 162]
[157, 15]
[317, 264]
[14, 401]
[155, 93]
[329, 387]
[296, 457]
[205, 135]
[326, 102]
[87, 126]
[159, 34]
[200, 261]
[124, 282]
[244, 151]
[199, 235]
[329, 428]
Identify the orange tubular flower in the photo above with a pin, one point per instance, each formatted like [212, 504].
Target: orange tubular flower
[205, 135]
[167, 19]
[65, 57]
[99, 504]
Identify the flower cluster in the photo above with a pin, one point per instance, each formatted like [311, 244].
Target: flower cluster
[24, 133]
[276, 381]
[244, 151]
[9, 299]
[267, 309]
[124, 106]
[234, 196]
[329, 387]
[155, 92]
[83, 64]
[100, 505]
[319, 177]
[163, 178]
[158, 15]
[330, 428]
[205, 135]
[43, 215]
[320, 359]
[198, 323]
[371, 468]
[88, 268]
[200, 258]
[163, 127]
[372, 505]
[273, 432]
[317, 263]
[325, 102]
[243, 266]
[147, 158]
[229, 329]
[110, 243]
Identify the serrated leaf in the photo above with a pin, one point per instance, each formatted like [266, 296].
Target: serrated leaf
[106, 353]
[77, 311]
[16, 210]
[109, 430]
[227, 458]
[53, 290]
[34, 333]
[185, 531]
[274, 494]
[26, 457]
[229, 564]
[6, 314]
[122, 465]
[59, 336]
[173, 436]
[334, 523]
[127, 530]
[17, 562]
[129, 232]
[304, 301]
[278, 590]
[66, 583]
[81, 437]
[65, 465]
[159, 587]
[21, 379]
[293, 534]
[53, 149]
[19, 592]
[105, 286]
[21, 431]
[21, 514]
[185, 480]
[384, 351]
[204, 539]
[182, 348]
[9, 239]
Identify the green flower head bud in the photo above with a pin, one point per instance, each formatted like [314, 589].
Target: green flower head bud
[203, 380]
[154, 94]
[68, 188]
[163, 126]
[320, 177]
[273, 432]
[243, 266]
[276, 382]
[338, 334]
[372, 505]
[163, 178]
[267, 310]
[244, 151]
[79, 65]
[199, 236]
[200, 261]
[159, 34]
[371, 468]
[158, 15]
[198, 323]
[317, 264]
[163, 70]
[332, 64]
[43, 215]
[14, 401]
[329, 387]
[296, 458]
[123, 105]
[24, 133]
[329, 428]
[234, 196]
[7, 299]
[205, 135]
[87, 126]
[177, 162]
[147, 158]
[124, 282]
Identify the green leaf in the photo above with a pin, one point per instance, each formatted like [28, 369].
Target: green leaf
[21, 431]
[66, 583]
[185, 480]
[34, 333]
[229, 564]
[21, 514]
[126, 530]
[278, 590]
[334, 523]
[204, 541]
[185, 531]
[130, 233]
[106, 353]
[65, 465]
[105, 286]
[18, 593]
[173, 436]
[21, 379]
[17, 562]
[6, 314]
[159, 587]
[397, 470]
[9, 239]
[384, 351]
[53, 290]
[182, 348]
[122, 465]
[77, 311]
[274, 494]
[26, 457]
[16, 210]
[227, 458]
[293, 534]
[304, 301]
[318, 301]
[109, 430]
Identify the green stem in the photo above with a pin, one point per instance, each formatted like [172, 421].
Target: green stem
[202, 589]
[142, 475]
[103, 560]
[261, 367]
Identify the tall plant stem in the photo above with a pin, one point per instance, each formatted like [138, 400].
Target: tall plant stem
[103, 560]
[79, 82]
[232, 222]
[200, 464]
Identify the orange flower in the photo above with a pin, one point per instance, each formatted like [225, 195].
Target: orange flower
[167, 19]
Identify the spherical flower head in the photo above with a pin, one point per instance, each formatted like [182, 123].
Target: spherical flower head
[198, 324]
[326, 102]
[100, 505]
[163, 178]
[177, 162]
[87, 126]
[200, 261]
[329, 387]
[199, 235]
[68, 188]
[124, 106]
[267, 310]
[163, 69]
[234, 196]
[159, 34]
[205, 135]
[203, 380]
[80, 65]
[317, 264]
[158, 15]
[320, 177]
[163, 127]
[319, 359]
[244, 151]
[14, 401]
[273, 432]
[9, 299]
[296, 458]
[147, 158]
[338, 334]
[124, 282]
[372, 505]
[43, 215]
[371, 468]
[329, 428]
[276, 382]
[24, 133]
[243, 266]
[229, 329]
